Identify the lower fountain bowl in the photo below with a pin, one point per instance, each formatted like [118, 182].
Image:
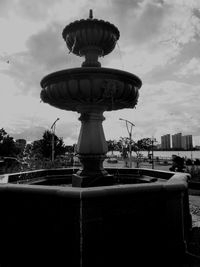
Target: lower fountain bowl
[69, 89]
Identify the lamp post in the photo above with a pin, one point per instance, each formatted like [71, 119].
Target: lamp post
[53, 129]
[130, 138]
[153, 140]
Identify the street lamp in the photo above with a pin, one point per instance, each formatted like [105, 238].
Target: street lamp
[53, 129]
[153, 140]
[130, 137]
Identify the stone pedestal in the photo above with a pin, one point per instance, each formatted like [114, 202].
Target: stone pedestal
[92, 148]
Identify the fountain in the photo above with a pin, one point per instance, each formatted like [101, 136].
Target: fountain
[100, 220]
[90, 91]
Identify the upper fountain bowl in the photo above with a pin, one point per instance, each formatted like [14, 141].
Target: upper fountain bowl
[91, 38]
[81, 34]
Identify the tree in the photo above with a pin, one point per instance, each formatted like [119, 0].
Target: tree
[20, 145]
[197, 162]
[178, 164]
[113, 145]
[69, 149]
[123, 144]
[43, 148]
[35, 149]
[7, 145]
[144, 144]
[137, 147]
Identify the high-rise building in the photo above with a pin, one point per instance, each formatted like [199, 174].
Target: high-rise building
[187, 143]
[165, 142]
[177, 141]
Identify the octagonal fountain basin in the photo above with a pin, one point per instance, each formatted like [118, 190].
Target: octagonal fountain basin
[47, 222]
[72, 89]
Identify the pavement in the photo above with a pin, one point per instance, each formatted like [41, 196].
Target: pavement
[195, 209]
[147, 165]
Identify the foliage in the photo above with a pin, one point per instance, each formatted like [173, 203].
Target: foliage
[43, 148]
[7, 145]
[188, 162]
[20, 145]
[69, 149]
[178, 164]
[137, 147]
[197, 162]
[113, 145]
[35, 149]
[141, 145]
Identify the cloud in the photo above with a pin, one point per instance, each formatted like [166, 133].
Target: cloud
[34, 9]
[149, 20]
[67, 131]
[165, 107]
[170, 106]
[46, 52]
[190, 68]
[159, 42]
[4, 7]
[155, 37]
[29, 9]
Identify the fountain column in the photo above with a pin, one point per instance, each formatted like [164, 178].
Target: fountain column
[92, 148]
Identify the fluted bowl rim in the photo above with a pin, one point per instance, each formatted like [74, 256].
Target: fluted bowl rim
[79, 23]
[63, 74]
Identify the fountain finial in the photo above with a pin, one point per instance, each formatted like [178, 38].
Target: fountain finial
[91, 14]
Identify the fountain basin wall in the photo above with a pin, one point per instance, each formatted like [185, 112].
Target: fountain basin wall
[100, 226]
[65, 173]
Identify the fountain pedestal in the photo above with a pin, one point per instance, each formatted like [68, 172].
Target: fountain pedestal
[92, 149]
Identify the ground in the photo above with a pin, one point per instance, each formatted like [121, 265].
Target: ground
[195, 209]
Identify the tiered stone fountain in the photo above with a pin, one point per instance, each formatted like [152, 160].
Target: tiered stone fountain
[90, 91]
[46, 222]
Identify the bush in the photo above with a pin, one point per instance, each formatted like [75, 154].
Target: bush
[188, 162]
[197, 162]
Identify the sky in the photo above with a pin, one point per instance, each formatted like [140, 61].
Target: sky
[159, 42]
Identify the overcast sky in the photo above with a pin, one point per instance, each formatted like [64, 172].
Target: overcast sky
[159, 42]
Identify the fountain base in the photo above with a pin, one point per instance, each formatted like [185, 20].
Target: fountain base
[90, 181]
[97, 224]
[92, 173]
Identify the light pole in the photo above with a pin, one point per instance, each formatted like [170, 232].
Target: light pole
[53, 129]
[153, 140]
[130, 138]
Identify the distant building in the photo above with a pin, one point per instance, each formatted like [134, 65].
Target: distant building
[187, 143]
[177, 141]
[180, 141]
[165, 142]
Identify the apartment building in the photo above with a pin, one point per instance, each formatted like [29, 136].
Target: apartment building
[165, 142]
[177, 141]
[187, 143]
